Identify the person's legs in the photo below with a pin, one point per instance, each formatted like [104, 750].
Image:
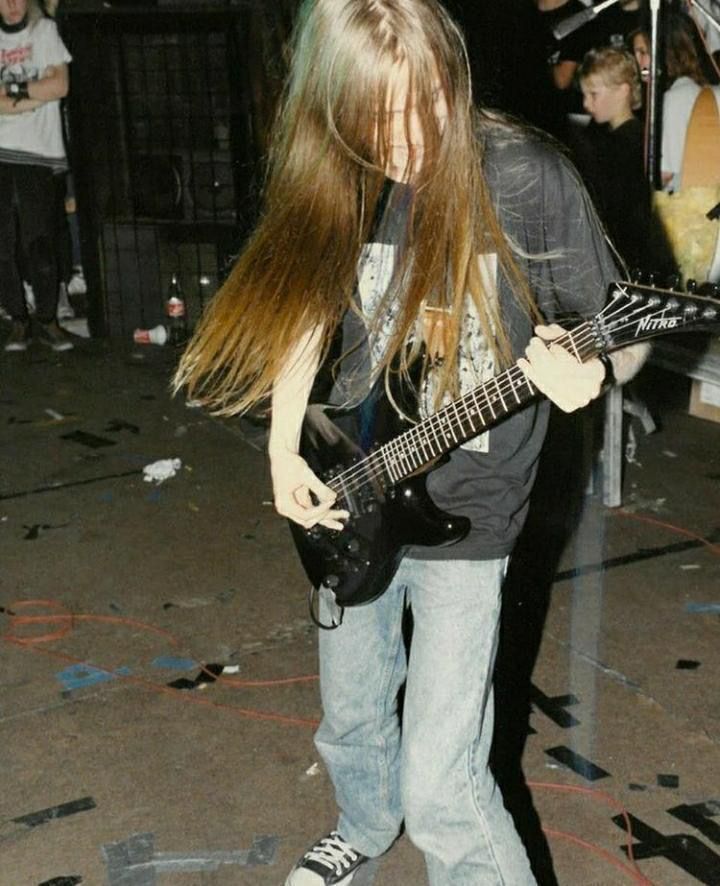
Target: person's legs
[454, 811]
[11, 290]
[362, 667]
[36, 195]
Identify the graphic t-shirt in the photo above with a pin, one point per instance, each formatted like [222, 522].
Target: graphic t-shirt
[33, 137]
[544, 209]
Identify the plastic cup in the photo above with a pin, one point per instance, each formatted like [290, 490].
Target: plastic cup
[158, 335]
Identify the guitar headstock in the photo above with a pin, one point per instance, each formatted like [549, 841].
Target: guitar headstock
[636, 313]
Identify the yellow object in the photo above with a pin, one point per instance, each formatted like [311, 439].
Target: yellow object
[693, 237]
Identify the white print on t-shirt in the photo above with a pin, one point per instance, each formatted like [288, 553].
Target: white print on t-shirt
[9, 58]
[475, 360]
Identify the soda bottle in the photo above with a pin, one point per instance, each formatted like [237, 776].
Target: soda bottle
[175, 310]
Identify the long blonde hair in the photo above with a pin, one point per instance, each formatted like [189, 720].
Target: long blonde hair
[328, 155]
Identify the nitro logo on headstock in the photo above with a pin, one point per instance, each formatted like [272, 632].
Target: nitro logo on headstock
[657, 324]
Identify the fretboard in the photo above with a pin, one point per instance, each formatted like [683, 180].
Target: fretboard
[455, 423]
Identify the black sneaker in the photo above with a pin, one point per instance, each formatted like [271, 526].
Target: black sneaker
[53, 336]
[19, 337]
[330, 862]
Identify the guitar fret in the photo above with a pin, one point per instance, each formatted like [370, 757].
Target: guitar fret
[497, 385]
[476, 402]
[388, 469]
[489, 402]
[454, 407]
[466, 406]
[574, 347]
[513, 388]
[391, 461]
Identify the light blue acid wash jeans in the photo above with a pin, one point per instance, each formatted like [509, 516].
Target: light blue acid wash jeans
[435, 776]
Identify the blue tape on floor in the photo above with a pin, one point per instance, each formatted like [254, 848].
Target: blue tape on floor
[174, 664]
[78, 676]
[698, 608]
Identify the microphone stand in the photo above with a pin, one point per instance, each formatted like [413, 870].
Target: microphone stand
[653, 117]
[571, 24]
[711, 20]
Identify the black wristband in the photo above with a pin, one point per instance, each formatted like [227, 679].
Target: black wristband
[609, 379]
[17, 91]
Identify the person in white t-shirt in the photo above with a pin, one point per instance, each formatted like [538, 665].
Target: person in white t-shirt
[33, 80]
[688, 69]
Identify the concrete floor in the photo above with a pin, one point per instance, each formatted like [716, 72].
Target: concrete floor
[113, 587]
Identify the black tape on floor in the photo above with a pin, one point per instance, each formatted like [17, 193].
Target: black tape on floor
[62, 881]
[683, 850]
[668, 780]
[33, 819]
[208, 674]
[697, 815]
[59, 488]
[554, 706]
[87, 439]
[33, 532]
[642, 554]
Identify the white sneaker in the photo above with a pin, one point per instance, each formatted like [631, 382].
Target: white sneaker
[29, 297]
[330, 862]
[64, 308]
[77, 284]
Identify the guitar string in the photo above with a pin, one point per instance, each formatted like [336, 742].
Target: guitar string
[442, 424]
[415, 435]
[444, 421]
[373, 467]
[438, 421]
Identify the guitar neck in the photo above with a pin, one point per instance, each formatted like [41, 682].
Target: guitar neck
[462, 419]
[633, 313]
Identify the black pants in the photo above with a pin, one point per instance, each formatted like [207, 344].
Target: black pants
[27, 224]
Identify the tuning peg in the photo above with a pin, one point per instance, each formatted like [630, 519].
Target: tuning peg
[636, 275]
[691, 285]
[706, 288]
[674, 281]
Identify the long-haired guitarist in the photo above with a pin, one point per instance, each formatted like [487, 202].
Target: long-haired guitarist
[400, 224]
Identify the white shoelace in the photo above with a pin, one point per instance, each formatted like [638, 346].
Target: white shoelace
[333, 852]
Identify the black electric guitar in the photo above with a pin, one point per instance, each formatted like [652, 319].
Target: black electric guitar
[376, 460]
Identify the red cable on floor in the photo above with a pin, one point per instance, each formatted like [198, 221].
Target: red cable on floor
[652, 521]
[633, 871]
[68, 620]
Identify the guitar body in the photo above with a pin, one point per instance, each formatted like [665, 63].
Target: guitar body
[359, 562]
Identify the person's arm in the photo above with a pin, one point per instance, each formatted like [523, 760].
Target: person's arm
[566, 381]
[52, 86]
[294, 483]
